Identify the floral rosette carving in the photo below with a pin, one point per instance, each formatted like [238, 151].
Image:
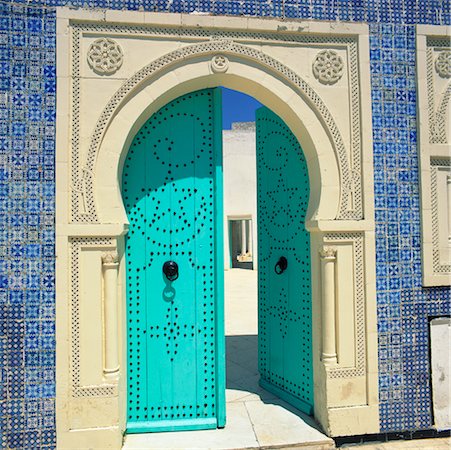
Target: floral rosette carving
[105, 56]
[328, 67]
[443, 64]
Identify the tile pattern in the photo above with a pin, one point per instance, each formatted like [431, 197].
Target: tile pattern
[27, 129]
[404, 307]
[27, 202]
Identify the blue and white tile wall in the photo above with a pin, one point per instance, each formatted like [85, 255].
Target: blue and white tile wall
[27, 202]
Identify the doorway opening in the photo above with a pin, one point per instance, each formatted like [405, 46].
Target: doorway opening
[240, 275]
[173, 192]
[246, 185]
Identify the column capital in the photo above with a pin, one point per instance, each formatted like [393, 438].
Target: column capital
[110, 258]
[328, 253]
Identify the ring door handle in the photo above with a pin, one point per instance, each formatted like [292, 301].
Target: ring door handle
[171, 270]
[281, 265]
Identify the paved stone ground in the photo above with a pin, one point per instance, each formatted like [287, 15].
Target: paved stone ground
[414, 444]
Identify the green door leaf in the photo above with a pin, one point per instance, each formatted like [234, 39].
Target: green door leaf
[172, 190]
[285, 309]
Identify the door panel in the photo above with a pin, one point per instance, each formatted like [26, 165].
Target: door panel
[285, 346]
[171, 185]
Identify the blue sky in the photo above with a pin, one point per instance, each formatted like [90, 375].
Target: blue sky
[237, 107]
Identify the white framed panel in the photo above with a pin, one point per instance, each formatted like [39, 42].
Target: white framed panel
[434, 127]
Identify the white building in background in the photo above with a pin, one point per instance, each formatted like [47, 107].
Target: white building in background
[240, 196]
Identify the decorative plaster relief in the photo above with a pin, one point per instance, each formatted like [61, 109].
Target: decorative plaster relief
[86, 257]
[105, 56]
[159, 55]
[328, 252]
[434, 94]
[443, 64]
[219, 64]
[228, 44]
[438, 88]
[441, 215]
[110, 258]
[328, 67]
[337, 244]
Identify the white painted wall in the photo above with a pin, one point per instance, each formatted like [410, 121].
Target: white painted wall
[240, 181]
[441, 365]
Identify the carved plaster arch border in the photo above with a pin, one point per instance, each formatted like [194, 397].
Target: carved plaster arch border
[229, 47]
[441, 115]
[437, 110]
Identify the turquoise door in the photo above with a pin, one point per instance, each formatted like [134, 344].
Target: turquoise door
[172, 191]
[284, 284]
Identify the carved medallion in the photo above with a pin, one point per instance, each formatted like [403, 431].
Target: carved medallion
[328, 67]
[443, 64]
[105, 56]
[219, 64]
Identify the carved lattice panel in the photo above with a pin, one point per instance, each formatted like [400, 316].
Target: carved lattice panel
[434, 109]
[169, 188]
[285, 346]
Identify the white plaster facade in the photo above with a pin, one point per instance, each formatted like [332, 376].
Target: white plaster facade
[98, 112]
[240, 181]
[441, 371]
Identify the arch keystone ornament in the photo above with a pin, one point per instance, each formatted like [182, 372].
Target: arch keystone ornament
[219, 64]
[94, 136]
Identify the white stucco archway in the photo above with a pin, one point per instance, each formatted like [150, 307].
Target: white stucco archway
[93, 140]
[195, 75]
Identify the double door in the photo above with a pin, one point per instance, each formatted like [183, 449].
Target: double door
[172, 192]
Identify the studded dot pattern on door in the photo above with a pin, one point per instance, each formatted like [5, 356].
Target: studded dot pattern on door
[285, 347]
[170, 185]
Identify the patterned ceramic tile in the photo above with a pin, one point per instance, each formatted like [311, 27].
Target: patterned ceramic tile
[27, 202]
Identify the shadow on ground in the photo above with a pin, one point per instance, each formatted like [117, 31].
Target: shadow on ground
[243, 376]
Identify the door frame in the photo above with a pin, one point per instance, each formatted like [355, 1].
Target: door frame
[180, 54]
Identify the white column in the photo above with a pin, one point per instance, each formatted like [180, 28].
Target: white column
[250, 238]
[448, 186]
[110, 268]
[329, 349]
[243, 238]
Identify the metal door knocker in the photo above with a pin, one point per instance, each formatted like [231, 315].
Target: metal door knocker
[171, 270]
[281, 265]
